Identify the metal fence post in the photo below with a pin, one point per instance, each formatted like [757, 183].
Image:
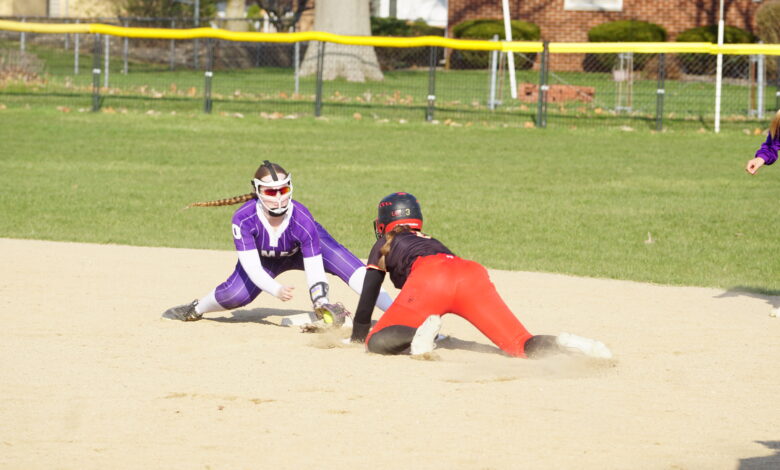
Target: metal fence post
[761, 83]
[207, 103]
[23, 37]
[173, 47]
[752, 79]
[431, 85]
[660, 92]
[320, 67]
[76, 52]
[125, 47]
[541, 110]
[297, 67]
[106, 59]
[96, 74]
[493, 76]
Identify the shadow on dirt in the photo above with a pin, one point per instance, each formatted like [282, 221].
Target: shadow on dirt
[771, 462]
[255, 315]
[772, 297]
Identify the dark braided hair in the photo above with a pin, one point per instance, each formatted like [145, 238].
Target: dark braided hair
[389, 236]
[224, 202]
[263, 171]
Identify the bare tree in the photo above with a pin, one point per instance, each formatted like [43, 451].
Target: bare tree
[736, 13]
[768, 20]
[163, 8]
[284, 14]
[707, 11]
[355, 63]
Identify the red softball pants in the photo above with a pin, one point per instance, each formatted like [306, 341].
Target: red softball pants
[441, 284]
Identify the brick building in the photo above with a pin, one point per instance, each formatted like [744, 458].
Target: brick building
[570, 20]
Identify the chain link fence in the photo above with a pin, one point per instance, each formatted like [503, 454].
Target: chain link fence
[456, 87]
[653, 90]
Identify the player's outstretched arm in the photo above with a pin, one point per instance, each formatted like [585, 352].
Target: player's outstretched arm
[361, 324]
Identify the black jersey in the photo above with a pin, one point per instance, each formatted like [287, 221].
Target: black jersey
[406, 247]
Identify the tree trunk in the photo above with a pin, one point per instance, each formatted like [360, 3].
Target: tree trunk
[236, 9]
[355, 63]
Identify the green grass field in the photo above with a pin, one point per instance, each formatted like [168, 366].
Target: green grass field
[584, 202]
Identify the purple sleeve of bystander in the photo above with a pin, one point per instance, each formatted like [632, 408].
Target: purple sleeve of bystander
[768, 150]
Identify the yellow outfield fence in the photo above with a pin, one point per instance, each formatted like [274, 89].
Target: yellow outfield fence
[458, 81]
[380, 41]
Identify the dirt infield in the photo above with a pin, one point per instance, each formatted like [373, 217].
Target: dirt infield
[91, 377]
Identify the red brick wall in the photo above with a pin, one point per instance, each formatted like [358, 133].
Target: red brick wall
[558, 25]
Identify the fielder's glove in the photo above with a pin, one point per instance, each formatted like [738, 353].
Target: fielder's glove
[332, 314]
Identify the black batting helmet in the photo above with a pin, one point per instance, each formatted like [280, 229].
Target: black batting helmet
[397, 209]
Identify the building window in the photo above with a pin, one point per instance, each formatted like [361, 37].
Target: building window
[593, 5]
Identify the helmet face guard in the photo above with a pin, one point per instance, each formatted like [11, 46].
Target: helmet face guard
[274, 195]
[397, 209]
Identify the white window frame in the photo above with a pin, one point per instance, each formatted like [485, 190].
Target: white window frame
[593, 5]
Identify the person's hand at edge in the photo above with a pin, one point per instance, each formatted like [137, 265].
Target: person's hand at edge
[754, 164]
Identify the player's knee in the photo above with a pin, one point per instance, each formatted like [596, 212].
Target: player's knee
[540, 346]
[232, 304]
[235, 299]
[391, 340]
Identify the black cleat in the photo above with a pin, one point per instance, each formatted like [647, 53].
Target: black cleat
[184, 312]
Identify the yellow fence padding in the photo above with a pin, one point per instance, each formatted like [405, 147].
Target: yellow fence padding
[43, 27]
[638, 47]
[382, 41]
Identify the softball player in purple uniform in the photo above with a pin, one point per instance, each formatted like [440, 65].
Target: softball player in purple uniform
[273, 234]
[767, 153]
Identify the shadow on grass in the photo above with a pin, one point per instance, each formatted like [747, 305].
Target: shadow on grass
[771, 462]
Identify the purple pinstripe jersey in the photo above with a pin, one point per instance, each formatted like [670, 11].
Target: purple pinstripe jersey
[298, 232]
[299, 236]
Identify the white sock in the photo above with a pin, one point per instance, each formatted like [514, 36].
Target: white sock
[209, 303]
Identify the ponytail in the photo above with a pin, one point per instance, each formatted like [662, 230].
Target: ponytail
[389, 236]
[224, 202]
[262, 171]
